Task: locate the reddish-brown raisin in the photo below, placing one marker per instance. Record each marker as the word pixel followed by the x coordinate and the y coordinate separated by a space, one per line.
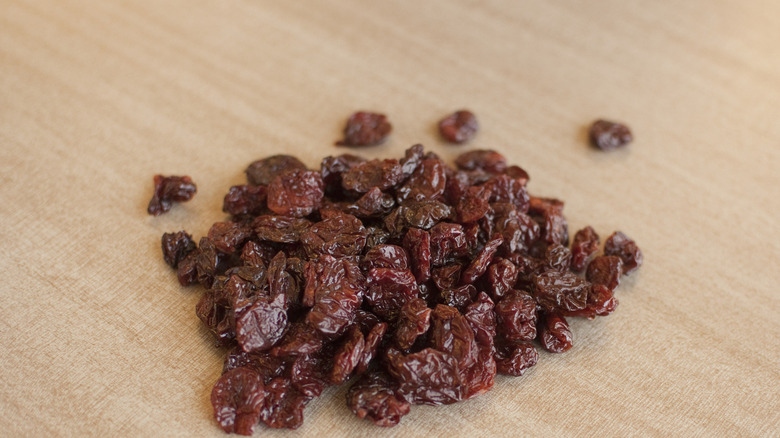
pixel 170 189
pixel 608 135
pixel 459 127
pixel 365 129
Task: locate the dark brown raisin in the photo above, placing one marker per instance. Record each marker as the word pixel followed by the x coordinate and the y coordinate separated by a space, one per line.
pixel 515 359
pixel 300 339
pixel 427 182
pixel 583 247
pixel 176 246
pixel 487 160
pixel 228 237
pixel 605 270
pixel 601 302
pixel 459 127
pixel 427 377
pixel 389 290
pixel 562 291
pixel 266 365
pixel 608 135
pixel 377 397
pixel 413 321
pixel 554 333
pixel 385 256
pixel 296 193
pixel 348 355
pixel 365 129
pixel 280 229
pixel 238 398
pixel 284 405
pixel 262 324
pixel 340 235
pixel 618 244
pixel 502 276
pixel 262 172
pixel 418 245
pixel 516 317
pixel 335 289
pixel 170 189
pixel 362 177
pixel 480 263
pixel 245 199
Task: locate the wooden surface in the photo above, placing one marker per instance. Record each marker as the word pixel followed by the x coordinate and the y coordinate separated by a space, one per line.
pixel 97 97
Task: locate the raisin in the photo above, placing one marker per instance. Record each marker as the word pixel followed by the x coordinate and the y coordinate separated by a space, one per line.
pixel 584 246
pixel 418 246
pixel 448 241
pixel 487 160
pixel 427 182
pixel 459 297
pixel 362 177
pixel 176 247
pixel 262 172
pixel 515 359
pixel 427 377
pixel 170 189
pixel 296 193
pixel 365 129
pixel 262 325
pixel 562 291
pixel 557 257
pixel 284 405
pixel 413 321
pixel 451 333
pixel 502 276
pixel 618 244
pixel 516 317
pixel 459 127
pixel 245 199
pixel 339 236
pixel 555 229
pixel 300 339
pixel 348 355
pixel 554 333
pixel 228 237
pixel 414 214
pixel 332 170
pixel 372 342
pixel 238 398
pixel 605 270
pixel 480 263
pixel 187 269
pixel 446 277
pixel 607 135
pixel 389 290
pixel 377 396
pixel 280 229
pixel 335 289
pixel 309 373
pixel 266 365
pixel 601 302
pixel 385 256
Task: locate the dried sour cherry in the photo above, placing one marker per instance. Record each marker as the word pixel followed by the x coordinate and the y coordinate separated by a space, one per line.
pixel 419 280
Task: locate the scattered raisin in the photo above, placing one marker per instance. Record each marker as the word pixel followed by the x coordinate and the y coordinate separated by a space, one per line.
pixel 262 172
pixel 176 246
pixel 170 189
pixel 365 129
pixel 608 135
pixel 618 244
pixel 459 127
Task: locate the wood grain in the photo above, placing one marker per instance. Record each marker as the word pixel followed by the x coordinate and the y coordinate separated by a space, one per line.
pixel 96 97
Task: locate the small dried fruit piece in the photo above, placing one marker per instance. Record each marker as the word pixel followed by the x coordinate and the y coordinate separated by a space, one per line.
pixel 296 193
pixel 245 199
pixel 482 159
pixel 363 177
pixel 554 333
pixel 284 405
pixel 262 172
pixel 413 321
pixel 459 127
pixel 262 324
pixel 238 398
pixel 562 291
pixel 389 290
pixel 618 244
pixel 608 135
pixel 176 246
pixel 170 189
pixel 376 396
pixel 418 245
pixel 584 245
pixel 365 129
pixel 516 317
pixel 515 359
pixel 605 270
pixel 428 377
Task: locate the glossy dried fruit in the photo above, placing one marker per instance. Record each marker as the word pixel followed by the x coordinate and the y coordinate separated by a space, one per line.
pixel 262 172
pixel 427 247
pixel 554 333
pixel 296 193
pixel 170 189
pixel 176 247
pixel 618 244
pixel 376 396
pixel 583 247
pixel 608 135
pixel 365 129
pixel 238 398
pixel 459 127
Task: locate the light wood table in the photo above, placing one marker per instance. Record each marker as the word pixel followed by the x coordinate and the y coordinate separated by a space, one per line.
pixel 97 97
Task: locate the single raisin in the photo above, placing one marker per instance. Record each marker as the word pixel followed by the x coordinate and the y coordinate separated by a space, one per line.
pixel 170 189
pixel 176 246
pixel 365 129
pixel 605 270
pixel 554 333
pixel 459 127
pixel 618 244
pixel 583 247
pixel 262 172
pixel 295 193
pixel 608 135
pixel 238 398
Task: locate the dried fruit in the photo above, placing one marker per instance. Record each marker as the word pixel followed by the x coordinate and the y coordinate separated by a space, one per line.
pixel 608 135
pixel 170 189
pixel 459 127
pixel 419 280
pixel 365 129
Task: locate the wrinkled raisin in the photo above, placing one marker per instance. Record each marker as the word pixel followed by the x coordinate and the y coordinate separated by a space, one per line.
pixel 605 270
pixel 608 135
pixel 376 396
pixel 459 127
pixel 245 199
pixel 238 398
pixel 296 193
pixel 583 247
pixel 554 333
pixel 170 189
pixel 618 244
pixel 176 246
pixel 262 172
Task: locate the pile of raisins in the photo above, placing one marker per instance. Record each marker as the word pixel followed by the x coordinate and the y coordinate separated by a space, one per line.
pixel 416 281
